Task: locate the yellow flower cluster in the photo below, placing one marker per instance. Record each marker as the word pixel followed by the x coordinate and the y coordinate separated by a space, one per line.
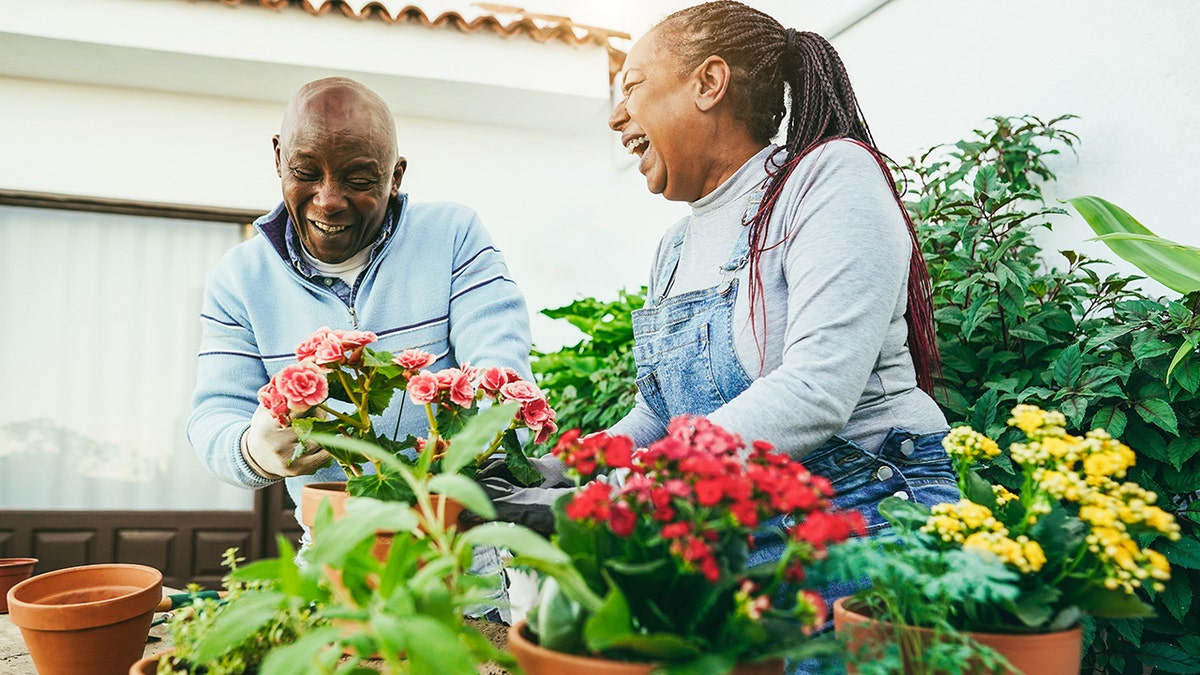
pixel 1063 468
pixel 953 523
pixel 969 445
pixel 1022 553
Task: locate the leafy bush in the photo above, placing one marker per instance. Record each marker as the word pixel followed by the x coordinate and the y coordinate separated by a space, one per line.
pixel 1016 326
pixel 590 384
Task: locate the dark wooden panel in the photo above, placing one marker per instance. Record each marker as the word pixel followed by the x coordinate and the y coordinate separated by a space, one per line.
pixel 209 546
pixel 56 549
pixel 5 537
pixel 155 548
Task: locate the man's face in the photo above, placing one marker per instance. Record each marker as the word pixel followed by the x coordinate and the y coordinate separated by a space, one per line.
pixel 339 170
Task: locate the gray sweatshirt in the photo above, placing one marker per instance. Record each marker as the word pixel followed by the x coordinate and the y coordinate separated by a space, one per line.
pixel 829 354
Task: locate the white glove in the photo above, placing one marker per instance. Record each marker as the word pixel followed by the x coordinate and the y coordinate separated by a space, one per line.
pixel 268 448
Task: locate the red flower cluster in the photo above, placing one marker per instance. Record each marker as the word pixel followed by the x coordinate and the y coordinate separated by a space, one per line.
pixel 697 488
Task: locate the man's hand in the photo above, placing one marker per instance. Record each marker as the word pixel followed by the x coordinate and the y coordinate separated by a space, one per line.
pixel 268 448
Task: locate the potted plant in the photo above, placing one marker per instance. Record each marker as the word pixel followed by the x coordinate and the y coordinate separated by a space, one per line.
pixel 357 613
pixel 657 577
pixel 1030 563
pixel 339 383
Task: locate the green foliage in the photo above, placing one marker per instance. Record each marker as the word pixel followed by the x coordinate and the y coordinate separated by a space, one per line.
pixel 403 613
pixel 1174 265
pixel 243 645
pixel 1018 325
pixel 590 384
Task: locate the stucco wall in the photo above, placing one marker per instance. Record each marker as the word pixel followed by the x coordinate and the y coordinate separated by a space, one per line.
pixel 929 71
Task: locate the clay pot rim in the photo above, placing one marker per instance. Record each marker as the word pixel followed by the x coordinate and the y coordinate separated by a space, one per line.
pixel 851 607
pixel 32 613
pixel 515 636
pixel 11 567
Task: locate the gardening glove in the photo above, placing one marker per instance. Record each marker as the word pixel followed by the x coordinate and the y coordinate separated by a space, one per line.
pixel 528 506
pixel 268 448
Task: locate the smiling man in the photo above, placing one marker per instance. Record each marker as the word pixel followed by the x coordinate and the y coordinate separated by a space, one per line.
pixel 345 249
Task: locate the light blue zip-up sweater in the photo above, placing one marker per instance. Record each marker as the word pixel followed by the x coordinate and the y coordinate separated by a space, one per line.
pixel 436 284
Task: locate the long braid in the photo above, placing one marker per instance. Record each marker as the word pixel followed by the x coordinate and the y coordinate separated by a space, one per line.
pixel 762 57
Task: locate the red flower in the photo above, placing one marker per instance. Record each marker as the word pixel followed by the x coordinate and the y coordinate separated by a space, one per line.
pixel 622 520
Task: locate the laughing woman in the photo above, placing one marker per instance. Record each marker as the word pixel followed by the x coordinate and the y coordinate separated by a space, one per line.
pixel 793 304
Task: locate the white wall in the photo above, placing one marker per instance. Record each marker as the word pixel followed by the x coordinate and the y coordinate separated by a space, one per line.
pixel 930 71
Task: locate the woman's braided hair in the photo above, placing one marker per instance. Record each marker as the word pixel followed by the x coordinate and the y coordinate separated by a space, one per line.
pixel 763 57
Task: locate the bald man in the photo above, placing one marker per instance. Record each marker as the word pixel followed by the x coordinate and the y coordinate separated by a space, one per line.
pixel 345 249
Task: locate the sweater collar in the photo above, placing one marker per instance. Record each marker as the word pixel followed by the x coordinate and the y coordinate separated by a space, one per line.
pixel 736 187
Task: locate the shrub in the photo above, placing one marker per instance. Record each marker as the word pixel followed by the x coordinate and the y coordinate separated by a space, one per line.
pixel 590 384
pixel 1017 325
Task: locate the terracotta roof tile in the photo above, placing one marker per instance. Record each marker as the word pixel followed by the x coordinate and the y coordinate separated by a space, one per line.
pixel 503 20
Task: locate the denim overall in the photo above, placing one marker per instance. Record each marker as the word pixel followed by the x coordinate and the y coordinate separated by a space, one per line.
pixel 687 364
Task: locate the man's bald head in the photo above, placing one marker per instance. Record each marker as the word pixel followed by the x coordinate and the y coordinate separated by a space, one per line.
pixel 340 101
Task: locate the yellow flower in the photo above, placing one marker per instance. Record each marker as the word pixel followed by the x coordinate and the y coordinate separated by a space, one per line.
pixel 1027 418
pixel 969 445
pixel 1003 494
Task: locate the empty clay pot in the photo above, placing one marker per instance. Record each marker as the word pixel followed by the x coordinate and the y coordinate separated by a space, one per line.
pixel 88 620
pixel 12 572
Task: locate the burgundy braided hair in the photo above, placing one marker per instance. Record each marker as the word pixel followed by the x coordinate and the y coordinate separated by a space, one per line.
pixel 763 57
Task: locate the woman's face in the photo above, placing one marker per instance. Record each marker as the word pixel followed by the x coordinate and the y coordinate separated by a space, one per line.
pixel 657 119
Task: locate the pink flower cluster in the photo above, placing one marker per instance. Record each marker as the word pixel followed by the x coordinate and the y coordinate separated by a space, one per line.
pixel 461 387
pixel 302 386
pixel 696 487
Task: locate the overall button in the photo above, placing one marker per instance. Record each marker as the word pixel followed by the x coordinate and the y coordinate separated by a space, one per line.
pixel 884 473
pixel 906 447
pixel 901 494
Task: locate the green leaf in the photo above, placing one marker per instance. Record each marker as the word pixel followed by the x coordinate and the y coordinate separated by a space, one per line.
pixel 1174 265
pixel 1181 449
pixel 521 540
pixel 241 619
pixel 477 434
pixel 610 624
pixel 1111 419
pixel 303 655
pixel 559 621
pixel 903 514
pixel 1068 366
pixel 1184 552
pixel 517 463
pixel 1165 658
pixel 1177 597
pixel 1184 349
pixel 1159 413
pixel 1112 604
pixel 434 647
pixel 465 491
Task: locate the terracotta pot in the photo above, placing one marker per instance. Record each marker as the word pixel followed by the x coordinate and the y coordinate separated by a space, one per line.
pixel 13 571
pixel 535 660
pixel 149 664
pixel 1058 653
pixel 89 620
pixel 313 494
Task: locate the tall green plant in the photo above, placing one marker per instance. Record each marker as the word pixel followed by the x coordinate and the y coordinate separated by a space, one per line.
pixel 1017 324
pixel 590 384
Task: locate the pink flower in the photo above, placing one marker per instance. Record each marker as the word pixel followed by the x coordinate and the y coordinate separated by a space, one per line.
pixel 330 352
pixel 536 413
pixel 493 379
pixel 355 338
pixel 520 390
pixel 303 385
pixel 462 390
pixel 414 359
pixel 446 377
pixel 547 430
pixel 308 348
pixel 423 388
pixel 275 403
